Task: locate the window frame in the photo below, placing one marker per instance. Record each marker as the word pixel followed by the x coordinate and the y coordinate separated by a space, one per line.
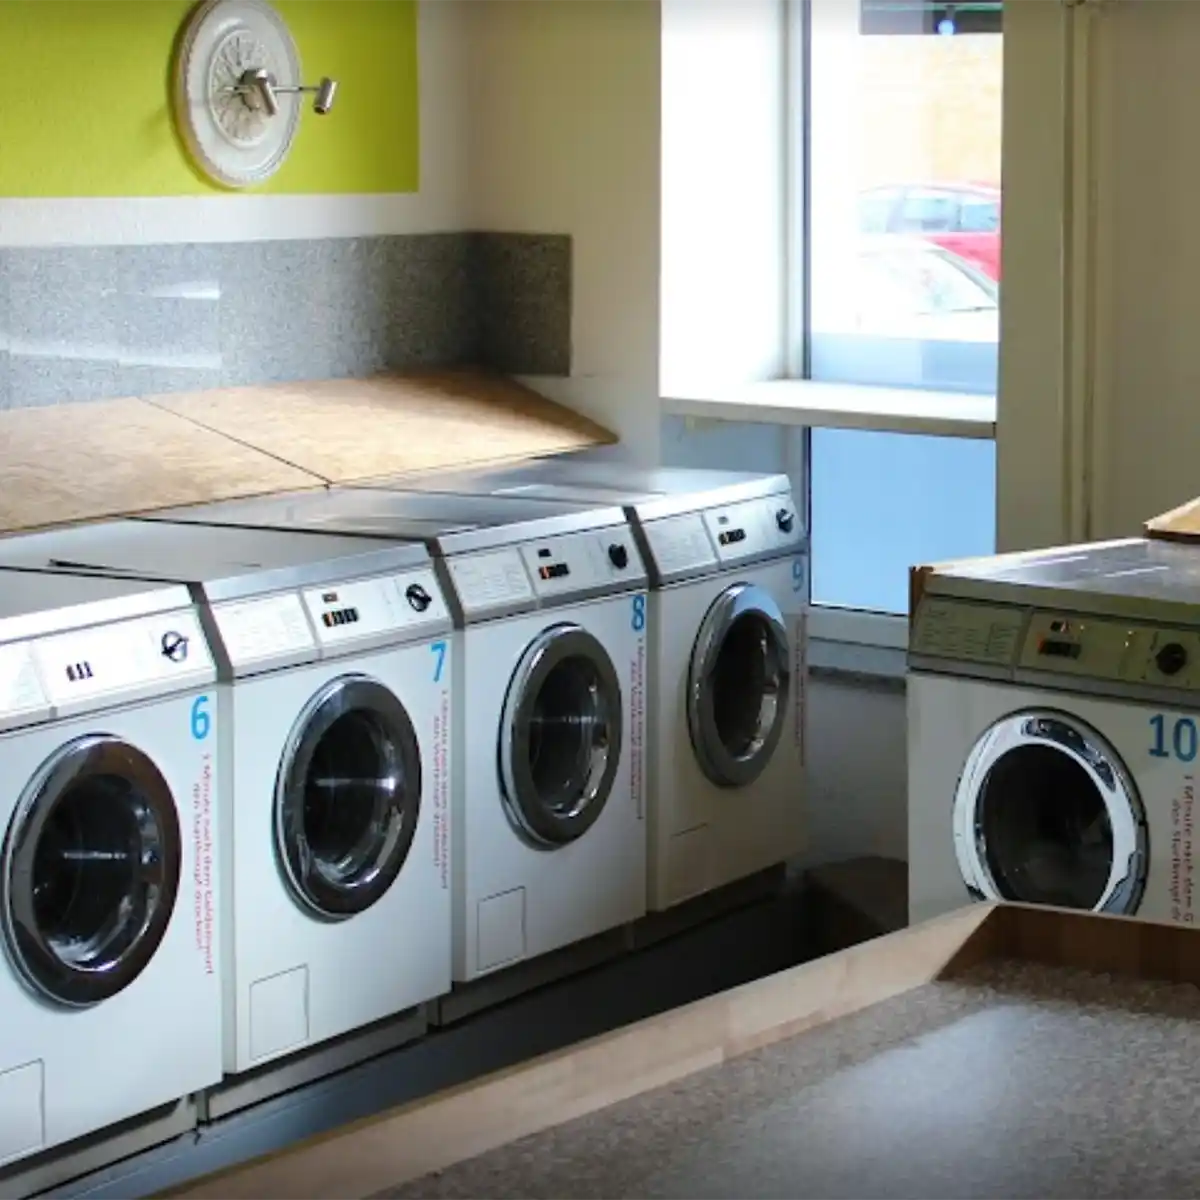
pixel 855 640
pixel 1043 441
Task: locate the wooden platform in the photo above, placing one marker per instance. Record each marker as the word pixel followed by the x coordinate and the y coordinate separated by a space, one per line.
pixel 1001 1050
pixel 78 462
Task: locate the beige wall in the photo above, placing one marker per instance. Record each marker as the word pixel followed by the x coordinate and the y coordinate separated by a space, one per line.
pixel 931 108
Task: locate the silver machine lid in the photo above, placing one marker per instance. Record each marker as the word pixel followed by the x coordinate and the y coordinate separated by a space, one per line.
pixel 226 563
pixel 1137 577
pixel 447 523
pixel 646 492
pixel 33 604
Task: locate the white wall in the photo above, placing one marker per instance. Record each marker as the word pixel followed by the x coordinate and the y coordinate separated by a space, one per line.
pixel 565 104
pixel 724 193
pixel 439 206
pixel 1146 181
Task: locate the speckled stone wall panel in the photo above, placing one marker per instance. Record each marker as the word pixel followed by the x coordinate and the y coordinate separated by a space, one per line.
pixel 63 324
pixel 5 331
pixel 1010 1081
pixel 523 283
pixel 84 323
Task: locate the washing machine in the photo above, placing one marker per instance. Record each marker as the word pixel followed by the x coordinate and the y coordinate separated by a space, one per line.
pixel 110 977
pixel 549 767
pixel 332 718
pixel 728 559
pixel 1053 708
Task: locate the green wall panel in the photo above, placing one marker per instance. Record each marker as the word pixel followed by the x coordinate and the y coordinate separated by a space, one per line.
pixel 86 110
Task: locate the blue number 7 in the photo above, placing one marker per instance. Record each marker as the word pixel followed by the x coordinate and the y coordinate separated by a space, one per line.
pixel 439 660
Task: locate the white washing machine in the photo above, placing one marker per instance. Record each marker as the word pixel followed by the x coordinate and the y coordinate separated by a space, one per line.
pixel 728 566
pixel 1053 707
pixel 548 795
pixel 110 979
pixel 334 722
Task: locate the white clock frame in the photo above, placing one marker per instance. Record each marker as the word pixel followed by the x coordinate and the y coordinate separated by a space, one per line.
pixel 226 128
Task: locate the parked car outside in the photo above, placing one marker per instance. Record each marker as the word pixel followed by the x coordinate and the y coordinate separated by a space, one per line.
pixel 908 288
pixel 963 218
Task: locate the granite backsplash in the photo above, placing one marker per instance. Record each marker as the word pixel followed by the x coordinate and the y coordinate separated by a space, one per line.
pixel 89 323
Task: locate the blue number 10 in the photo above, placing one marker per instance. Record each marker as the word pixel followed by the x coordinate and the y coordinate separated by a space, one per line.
pixel 1184 742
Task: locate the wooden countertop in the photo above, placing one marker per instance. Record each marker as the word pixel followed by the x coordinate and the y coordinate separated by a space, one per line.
pixel 1000 1050
pixel 1181 524
pixel 78 462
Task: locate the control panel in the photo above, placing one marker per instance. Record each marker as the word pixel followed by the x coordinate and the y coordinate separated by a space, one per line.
pixel 264 632
pixel 142 657
pixel 584 562
pixel 1104 649
pixel 754 528
pixel 388 607
pixel 680 545
pixel 966 632
pixel 490 582
pixel 22 696
pixel 696 542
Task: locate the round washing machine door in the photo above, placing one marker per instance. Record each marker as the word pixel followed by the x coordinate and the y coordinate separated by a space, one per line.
pixel 347 797
pixel 738 683
pixel 91 868
pixel 1046 813
pixel 560 736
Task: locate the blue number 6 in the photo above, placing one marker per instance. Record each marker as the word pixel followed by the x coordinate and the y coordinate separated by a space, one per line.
pixel 439 660
pixel 201 721
pixel 639 614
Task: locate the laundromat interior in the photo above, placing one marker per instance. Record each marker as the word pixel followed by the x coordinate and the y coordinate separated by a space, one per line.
pixel 599 598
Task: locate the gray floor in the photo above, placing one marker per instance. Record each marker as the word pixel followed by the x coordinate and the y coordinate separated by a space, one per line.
pixel 730 950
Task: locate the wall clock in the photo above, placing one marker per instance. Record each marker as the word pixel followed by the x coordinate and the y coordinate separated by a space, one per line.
pixel 236 90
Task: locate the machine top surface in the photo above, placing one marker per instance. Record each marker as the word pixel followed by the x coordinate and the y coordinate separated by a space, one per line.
pixel 447 523
pixel 647 491
pixel 227 563
pixel 1138 570
pixel 33 604
pixel 1122 617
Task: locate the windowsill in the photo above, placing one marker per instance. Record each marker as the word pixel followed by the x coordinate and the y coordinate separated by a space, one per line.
pixel 850 643
pixel 841 406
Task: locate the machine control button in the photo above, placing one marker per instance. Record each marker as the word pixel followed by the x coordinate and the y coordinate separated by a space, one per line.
pixel 418 597
pixel 785 519
pixel 174 646
pixel 1172 658
pixel 618 556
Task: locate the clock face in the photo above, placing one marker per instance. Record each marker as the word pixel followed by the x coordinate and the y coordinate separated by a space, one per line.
pixel 227 130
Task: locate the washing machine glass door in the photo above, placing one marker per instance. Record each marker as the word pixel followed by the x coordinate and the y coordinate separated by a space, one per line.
pixel 738 685
pixel 560 736
pixel 91 866
pixel 347 797
pixel 1046 813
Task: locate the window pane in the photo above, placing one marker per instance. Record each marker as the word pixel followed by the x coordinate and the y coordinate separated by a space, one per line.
pixel 907 294
pixel 882 502
pixel 905 102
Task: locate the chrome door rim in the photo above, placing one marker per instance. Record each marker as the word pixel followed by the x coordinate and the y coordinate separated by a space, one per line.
pixel 159 854
pixel 740 601
pixel 1098 759
pixel 525 807
pixel 308 882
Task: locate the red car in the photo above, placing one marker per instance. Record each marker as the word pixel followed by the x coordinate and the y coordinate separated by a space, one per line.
pixel 963 218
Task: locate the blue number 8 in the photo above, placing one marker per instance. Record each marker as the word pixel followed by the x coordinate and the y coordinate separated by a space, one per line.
pixel 639 614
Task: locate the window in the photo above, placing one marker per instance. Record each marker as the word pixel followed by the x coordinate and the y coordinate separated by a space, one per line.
pixel 901 273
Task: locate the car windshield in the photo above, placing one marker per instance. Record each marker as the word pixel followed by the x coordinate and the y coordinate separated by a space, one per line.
pixel 929 282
